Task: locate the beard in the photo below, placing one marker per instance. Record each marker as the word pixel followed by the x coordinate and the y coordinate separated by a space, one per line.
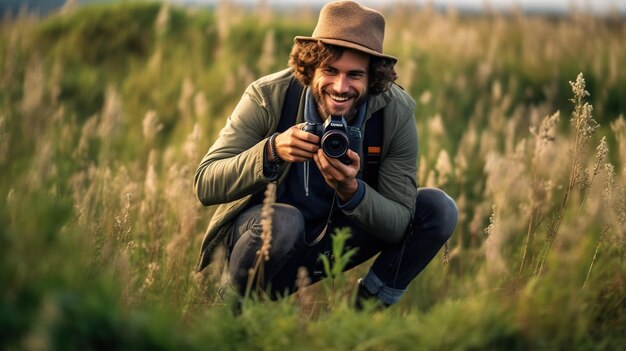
pixel 320 97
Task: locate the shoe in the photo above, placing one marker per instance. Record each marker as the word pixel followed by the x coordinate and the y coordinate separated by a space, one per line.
pixel 365 299
pixel 227 296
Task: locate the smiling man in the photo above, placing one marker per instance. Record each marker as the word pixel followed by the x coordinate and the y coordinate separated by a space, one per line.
pixel 339 139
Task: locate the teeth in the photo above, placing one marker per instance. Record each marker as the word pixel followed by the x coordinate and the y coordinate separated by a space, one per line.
pixel 338 98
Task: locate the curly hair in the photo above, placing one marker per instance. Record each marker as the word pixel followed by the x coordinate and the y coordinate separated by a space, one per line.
pixel 307 56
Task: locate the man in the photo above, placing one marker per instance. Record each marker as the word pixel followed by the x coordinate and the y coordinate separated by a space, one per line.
pixel 344 74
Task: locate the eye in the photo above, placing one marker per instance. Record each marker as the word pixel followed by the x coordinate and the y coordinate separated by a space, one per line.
pixel 357 75
pixel 329 71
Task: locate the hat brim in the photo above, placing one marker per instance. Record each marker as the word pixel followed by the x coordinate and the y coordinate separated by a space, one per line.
pixel 347 44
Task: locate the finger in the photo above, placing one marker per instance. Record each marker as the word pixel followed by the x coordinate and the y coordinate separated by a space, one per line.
pixel 332 182
pixel 327 167
pixel 355 158
pixel 344 172
pixel 304 135
pixel 297 155
pixel 300 139
pixel 290 148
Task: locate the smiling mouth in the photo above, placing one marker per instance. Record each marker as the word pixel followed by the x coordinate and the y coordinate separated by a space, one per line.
pixel 339 98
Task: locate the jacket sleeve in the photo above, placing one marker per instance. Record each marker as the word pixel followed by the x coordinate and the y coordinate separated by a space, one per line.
pixel 233 166
pixel 386 213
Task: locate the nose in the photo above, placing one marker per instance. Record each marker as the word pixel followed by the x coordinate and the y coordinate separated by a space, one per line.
pixel 341 85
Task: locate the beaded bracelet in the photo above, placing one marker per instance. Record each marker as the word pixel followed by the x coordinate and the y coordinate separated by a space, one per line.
pixel 276 158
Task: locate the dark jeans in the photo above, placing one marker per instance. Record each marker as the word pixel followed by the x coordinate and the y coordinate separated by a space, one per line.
pixel 396 266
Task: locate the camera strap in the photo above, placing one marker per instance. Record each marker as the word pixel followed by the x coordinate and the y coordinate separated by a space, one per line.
pixel 290 106
pixel 329 220
pixel 372 144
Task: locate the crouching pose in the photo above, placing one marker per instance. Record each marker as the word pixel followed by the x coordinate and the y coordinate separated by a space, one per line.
pixel 339 139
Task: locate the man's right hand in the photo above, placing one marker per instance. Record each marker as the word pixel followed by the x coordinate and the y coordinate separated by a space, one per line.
pixel 295 145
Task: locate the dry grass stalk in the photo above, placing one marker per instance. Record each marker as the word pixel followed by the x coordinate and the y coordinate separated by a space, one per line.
pixel 5 139
pixel 602 152
pixel 34 90
pixel 605 229
pixel 122 225
pixel 151 126
pixel 162 21
pixel 544 138
pixel 268 55
pixel 615 214
pixel 619 129
pixel 256 273
pixel 303 294
pixel 493 245
pixel 185 100
pixel 584 128
pixel 443 168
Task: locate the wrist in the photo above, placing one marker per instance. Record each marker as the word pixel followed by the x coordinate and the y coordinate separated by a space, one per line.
pixel 272 153
pixel 345 192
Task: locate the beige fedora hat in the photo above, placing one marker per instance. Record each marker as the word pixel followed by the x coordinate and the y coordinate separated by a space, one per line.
pixel 350 25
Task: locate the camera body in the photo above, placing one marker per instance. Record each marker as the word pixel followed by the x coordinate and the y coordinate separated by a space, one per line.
pixel 336 137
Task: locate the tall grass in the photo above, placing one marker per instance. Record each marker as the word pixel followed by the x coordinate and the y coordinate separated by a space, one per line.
pixel 105 112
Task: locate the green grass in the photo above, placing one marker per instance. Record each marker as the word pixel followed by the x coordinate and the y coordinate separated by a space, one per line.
pixel 100 229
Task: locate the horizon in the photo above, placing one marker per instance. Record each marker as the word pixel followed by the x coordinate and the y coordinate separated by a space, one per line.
pixel 549 6
pixel 597 7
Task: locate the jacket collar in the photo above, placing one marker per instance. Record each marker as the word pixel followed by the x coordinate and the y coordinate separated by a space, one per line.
pixel 377 102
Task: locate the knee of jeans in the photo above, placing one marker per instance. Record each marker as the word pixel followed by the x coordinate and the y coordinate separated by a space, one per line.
pixel 287 228
pixel 444 213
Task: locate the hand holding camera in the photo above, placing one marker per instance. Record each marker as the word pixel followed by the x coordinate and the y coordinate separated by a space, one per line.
pixel 300 142
pixel 294 145
pixel 338 160
pixel 336 137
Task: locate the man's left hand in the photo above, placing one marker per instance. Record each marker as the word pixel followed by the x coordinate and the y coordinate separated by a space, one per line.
pixel 339 175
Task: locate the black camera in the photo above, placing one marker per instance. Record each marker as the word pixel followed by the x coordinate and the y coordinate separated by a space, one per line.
pixel 336 137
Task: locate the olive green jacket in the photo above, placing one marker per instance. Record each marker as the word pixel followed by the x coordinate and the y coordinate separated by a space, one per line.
pixel 232 170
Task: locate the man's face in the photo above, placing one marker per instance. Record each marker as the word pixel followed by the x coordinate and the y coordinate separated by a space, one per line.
pixel 341 86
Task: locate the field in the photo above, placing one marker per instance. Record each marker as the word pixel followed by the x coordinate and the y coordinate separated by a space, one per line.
pixel 105 112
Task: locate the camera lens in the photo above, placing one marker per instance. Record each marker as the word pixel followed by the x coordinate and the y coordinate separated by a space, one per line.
pixel 335 143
